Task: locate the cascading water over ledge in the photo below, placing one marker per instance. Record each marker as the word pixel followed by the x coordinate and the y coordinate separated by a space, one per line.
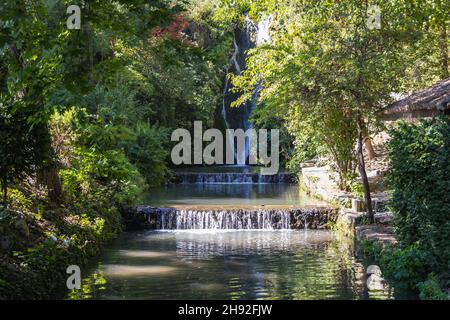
pixel 144 217
pixel 231 177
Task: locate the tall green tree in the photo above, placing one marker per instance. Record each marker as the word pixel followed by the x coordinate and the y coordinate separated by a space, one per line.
pixel 42 62
pixel 332 60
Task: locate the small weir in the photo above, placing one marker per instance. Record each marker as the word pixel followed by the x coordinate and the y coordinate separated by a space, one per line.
pixel 231 177
pixel 230 219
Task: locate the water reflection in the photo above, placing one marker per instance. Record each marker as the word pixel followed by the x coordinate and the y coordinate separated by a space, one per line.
pixel 225 265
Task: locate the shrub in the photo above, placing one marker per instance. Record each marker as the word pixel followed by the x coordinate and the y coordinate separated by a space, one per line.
pixel 420 182
pixel 405 266
pixel 101 176
pixel 430 289
pixel 147 152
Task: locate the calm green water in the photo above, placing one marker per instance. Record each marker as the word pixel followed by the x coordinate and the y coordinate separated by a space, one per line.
pixel 229 194
pixel 301 264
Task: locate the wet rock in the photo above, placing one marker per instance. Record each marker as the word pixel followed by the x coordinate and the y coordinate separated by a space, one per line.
pixel 373 269
pixel 375 282
pixel 139 218
pixel 231 177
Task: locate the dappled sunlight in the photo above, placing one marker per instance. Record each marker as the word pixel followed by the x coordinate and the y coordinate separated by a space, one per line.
pixel 143 254
pixel 133 271
pixel 208 286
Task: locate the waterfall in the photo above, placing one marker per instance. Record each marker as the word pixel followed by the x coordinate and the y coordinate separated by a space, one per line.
pixel 246 38
pixel 233 58
pixel 225 220
pixel 231 219
pixel 231 177
pixel 263 35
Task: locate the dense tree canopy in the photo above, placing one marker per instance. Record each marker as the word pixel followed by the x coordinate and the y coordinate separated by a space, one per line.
pixel 331 72
pixel 128 71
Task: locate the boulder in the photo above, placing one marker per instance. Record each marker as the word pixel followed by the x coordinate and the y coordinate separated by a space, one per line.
pixel 375 282
pixel 373 269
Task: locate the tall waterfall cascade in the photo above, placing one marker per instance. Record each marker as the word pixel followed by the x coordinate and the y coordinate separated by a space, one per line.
pixel 248 37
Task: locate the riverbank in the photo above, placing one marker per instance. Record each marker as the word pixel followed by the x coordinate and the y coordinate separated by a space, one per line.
pixel 377 244
pixel 39 242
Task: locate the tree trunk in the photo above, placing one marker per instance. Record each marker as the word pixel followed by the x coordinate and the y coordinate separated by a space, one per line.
pixel 369 148
pixel 362 169
pixel 49 177
pixel 4 191
pixel 444 51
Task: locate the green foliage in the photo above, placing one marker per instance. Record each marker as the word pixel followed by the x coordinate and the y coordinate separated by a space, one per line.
pixel 405 266
pixel 324 67
pixel 148 153
pixel 420 184
pixel 114 125
pixel 418 177
pixel 185 85
pixel 263 118
pixel 356 188
pixel 371 250
pixel 40 58
pixel 95 106
pixel 19 200
pixel 428 52
pixel 100 175
pixel 430 289
pixel 24 147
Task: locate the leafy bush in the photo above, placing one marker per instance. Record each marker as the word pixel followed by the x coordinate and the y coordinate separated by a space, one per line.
pixel 148 153
pixel 114 120
pixel 24 145
pixel 420 182
pixel 405 266
pixel 430 290
pixel 101 175
pixel 370 249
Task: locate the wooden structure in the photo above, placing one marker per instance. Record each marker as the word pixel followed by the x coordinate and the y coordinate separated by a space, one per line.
pixel 426 103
